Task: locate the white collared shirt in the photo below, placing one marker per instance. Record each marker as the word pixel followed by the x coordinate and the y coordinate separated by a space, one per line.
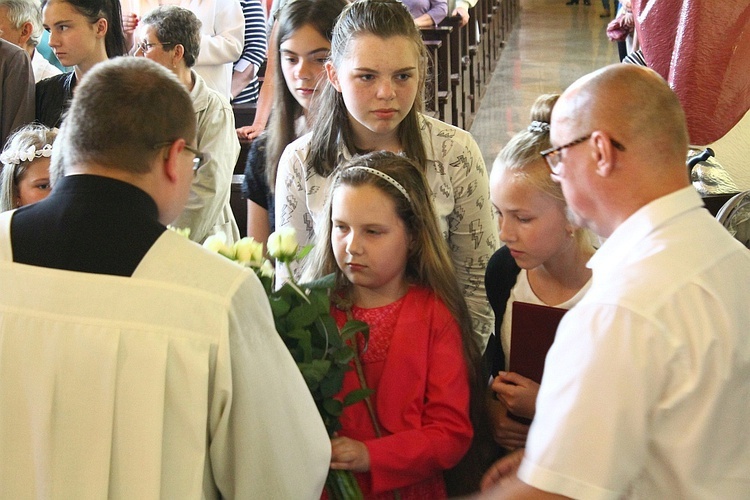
pixel 646 389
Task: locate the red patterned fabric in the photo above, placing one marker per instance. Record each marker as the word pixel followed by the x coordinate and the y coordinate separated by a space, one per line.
pixel 702 48
pixel 415 364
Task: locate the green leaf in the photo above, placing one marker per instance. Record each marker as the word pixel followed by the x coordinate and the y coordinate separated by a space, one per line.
pixel 302 337
pixel 321 301
pixel 279 307
pixel 315 370
pixel 352 327
pixel 332 383
pixel 343 355
pixel 303 253
pixel 303 315
pixel 326 333
pixel 325 283
pixel 356 396
pixel 333 407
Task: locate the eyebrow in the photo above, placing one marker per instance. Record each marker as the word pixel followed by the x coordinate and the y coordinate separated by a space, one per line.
pixel 401 70
pixel 314 51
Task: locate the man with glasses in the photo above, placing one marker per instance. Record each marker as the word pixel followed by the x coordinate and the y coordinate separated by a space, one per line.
pixel 134 363
pixel 645 389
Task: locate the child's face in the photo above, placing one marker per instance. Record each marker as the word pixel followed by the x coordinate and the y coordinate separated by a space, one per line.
pixel 303 57
pixel 532 223
pixel 378 80
pixel 71 36
pixel 34 185
pixel 370 243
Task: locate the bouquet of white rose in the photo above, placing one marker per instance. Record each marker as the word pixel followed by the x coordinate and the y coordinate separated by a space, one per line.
pixel 302 316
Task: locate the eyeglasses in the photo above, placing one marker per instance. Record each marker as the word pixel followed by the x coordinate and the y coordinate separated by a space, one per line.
pixel 200 159
pixel 553 156
pixel 146 46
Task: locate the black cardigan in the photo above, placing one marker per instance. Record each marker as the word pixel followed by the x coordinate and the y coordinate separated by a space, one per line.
pixel 499 279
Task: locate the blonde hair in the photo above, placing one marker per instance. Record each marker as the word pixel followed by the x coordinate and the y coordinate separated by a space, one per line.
pixel 34 135
pixel 521 157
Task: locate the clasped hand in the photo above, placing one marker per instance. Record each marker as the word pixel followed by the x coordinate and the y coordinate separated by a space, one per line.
pixel 517 392
pixel 349 454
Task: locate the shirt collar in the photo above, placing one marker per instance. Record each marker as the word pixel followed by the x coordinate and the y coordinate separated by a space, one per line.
pixel 642 223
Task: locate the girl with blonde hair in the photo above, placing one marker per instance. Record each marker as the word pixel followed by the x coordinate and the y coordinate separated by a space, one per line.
pixel 543 261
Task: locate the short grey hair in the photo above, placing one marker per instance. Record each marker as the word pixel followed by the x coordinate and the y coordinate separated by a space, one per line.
pixel 176 25
pixel 23 11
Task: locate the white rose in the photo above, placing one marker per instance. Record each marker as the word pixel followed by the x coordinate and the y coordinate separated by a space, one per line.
pixel 218 243
pixel 267 269
pixel 282 244
pixel 248 251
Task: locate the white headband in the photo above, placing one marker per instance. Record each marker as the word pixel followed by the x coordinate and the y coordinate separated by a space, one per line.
pixel 386 177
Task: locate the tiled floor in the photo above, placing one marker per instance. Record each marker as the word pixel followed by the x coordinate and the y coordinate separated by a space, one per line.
pixel 550 46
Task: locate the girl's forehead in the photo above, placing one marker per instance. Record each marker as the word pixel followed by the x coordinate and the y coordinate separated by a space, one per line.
pixel 368 44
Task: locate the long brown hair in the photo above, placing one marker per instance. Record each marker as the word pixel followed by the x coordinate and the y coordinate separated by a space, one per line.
pixel 331 130
pixel 321 15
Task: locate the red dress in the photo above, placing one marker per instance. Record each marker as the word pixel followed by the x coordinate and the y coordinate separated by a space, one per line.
pixel 414 362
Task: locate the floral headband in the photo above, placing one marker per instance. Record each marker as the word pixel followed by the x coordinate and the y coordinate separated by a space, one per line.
pixel 28 154
pixel 537 126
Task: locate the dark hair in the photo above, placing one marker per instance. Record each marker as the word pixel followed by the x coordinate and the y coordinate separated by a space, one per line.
pixel 110 10
pixel 176 25
pixel 384 19
pixel 321 15
pixel 151 107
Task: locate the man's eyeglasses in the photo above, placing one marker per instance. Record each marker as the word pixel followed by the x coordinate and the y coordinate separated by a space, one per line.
pixel 146 46
pixel 553 156
pixel 200 159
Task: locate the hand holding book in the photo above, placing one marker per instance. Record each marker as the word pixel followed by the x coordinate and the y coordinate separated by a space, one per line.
pixel 517 392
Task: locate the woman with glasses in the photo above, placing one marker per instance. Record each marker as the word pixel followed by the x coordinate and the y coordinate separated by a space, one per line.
pixel 82 33
pixel 543 261
pixel 170 36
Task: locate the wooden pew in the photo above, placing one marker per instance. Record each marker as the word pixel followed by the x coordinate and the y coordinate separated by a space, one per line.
pixel 459 70
pixel 475 83
pixel 442 69
pixel 431 86
pixel 239 203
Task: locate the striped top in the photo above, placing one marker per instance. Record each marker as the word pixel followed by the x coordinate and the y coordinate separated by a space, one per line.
pixel 254 51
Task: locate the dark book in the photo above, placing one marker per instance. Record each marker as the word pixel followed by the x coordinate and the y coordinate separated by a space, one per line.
pixel 532 332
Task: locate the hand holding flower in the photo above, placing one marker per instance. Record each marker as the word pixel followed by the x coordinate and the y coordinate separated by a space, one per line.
pixel 349 454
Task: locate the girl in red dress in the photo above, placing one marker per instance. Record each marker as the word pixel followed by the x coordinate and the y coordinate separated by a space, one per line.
pixel 393 271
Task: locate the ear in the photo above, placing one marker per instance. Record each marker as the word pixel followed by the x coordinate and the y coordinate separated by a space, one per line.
pixel 101 27
pixel 170 164
pixel 332 76
pixel 604 153
pixel 26 31
pixel 179 53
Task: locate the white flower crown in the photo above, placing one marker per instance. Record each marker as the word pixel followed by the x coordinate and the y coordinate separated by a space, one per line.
pixel 28 154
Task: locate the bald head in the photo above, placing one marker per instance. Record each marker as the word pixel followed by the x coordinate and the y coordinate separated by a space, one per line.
pixel 631 144
pixel 632 104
